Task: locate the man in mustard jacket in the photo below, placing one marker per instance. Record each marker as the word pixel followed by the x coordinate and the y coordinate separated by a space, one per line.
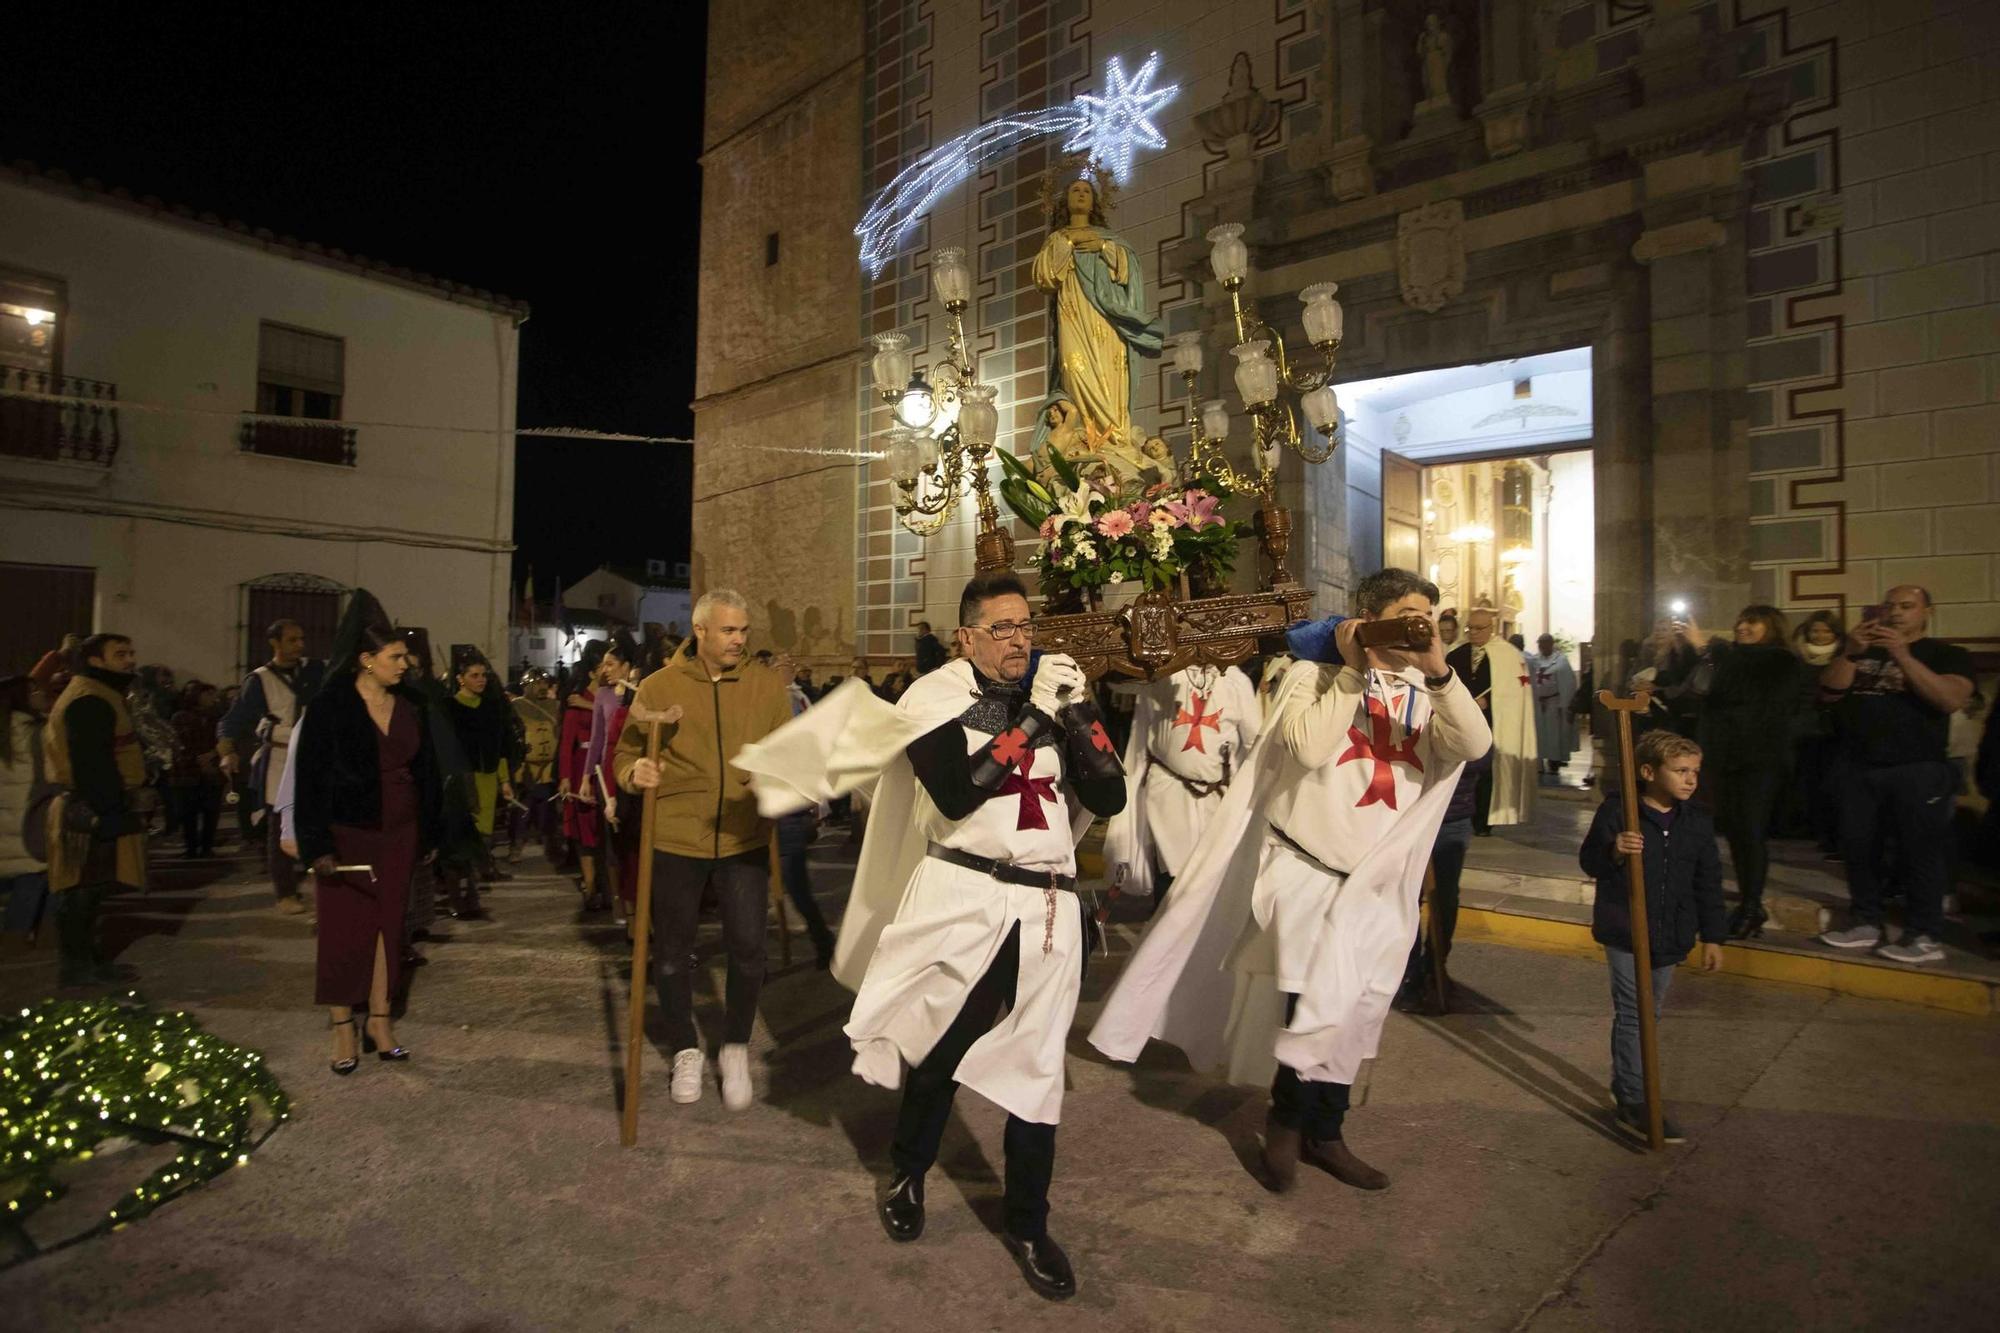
pixel 713 701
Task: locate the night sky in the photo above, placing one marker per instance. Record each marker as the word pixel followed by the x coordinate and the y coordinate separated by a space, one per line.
pixel 508 148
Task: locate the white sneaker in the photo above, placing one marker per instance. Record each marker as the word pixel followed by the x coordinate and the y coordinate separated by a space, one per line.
pixel 688 1070
pixel 735 1063
pixel 1913 949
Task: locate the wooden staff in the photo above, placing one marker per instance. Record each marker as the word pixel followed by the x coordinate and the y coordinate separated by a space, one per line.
pixel 642 924
pixel 1642 955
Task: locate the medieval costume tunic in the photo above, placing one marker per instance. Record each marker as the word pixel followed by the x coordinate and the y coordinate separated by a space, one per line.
pixel 1553 684
pixel 1498 677
pixel 268 707
pixel 92 754
pixel 364 797
pixel 1287 934
pixel 935 944
pixel 1190 732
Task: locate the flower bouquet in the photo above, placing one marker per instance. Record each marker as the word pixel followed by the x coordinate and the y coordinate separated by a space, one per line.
pixel 1093 537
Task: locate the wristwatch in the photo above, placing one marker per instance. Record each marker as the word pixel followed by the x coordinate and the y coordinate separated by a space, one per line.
pixel 1438 682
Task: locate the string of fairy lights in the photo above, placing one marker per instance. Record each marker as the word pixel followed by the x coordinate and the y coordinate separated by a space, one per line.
pixel 75 1074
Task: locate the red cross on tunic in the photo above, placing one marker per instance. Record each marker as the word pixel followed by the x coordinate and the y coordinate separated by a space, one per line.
pixel 1032 791
pixel 1375 747
pixel 1195 721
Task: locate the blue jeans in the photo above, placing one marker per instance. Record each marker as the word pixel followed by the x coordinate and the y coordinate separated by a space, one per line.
pixel 1628 1077
pixel 25 896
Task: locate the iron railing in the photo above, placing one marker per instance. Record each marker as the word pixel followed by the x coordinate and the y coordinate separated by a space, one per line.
pixel 307 442
pixel 75 422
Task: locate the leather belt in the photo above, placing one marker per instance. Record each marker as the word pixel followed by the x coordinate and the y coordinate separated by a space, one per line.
pixel 1293 843
pixel 1195 785
pixel 1004 871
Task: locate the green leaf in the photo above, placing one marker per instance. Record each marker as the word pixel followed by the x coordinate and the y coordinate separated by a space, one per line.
pixel 1064 470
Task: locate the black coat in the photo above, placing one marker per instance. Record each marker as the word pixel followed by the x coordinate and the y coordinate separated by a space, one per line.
pixel 485 732
pixel 1683 881
pixel 1746 718
pixel 339 775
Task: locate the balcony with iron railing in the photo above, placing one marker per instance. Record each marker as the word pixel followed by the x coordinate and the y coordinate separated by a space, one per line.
pixel 303 441
pixel 57 418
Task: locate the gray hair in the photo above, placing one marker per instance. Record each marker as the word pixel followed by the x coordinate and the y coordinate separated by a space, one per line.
pixel 718 597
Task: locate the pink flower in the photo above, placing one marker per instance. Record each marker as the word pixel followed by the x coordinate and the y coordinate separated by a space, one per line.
pixel 1141 512
pixel 1115 524
pixel 1048 528
pixel 1196 510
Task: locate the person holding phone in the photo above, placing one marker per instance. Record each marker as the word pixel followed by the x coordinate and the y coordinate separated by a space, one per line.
pixel 1895 690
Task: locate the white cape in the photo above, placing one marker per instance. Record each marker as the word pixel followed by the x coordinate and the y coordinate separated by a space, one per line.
pixel 849 741
pixel 1203 977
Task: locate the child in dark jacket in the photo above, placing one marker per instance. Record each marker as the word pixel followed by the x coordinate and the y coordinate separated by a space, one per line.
pixel 1676 843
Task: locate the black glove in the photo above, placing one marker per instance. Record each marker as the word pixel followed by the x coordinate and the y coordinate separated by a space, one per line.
pixel 1088 754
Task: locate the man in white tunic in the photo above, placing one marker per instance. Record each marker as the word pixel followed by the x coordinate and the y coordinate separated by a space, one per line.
pixel 1288 935
pixel 964 898
pixel 1497 675
pixel 1190 732
pixel 1554 686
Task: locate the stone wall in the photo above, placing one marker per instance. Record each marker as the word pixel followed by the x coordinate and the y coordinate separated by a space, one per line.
pixel 777 357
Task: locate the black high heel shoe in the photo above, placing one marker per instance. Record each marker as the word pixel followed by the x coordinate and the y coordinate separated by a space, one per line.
pixel 368 1044
pixel 347 1066
pixel 1747 921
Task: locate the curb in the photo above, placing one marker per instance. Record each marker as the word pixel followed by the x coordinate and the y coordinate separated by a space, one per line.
pixel 1954 991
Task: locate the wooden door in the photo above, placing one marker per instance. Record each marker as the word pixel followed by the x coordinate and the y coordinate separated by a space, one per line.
pixel 44 602
pixel 1402 512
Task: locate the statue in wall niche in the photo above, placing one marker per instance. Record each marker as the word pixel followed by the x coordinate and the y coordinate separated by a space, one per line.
pixel 1434 51
pixel 1098 325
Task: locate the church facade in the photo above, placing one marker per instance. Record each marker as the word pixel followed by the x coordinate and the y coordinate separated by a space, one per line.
pixel 1768 221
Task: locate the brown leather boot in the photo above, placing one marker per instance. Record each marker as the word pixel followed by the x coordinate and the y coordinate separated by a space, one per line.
pixel 1333 1157
pixel 1280 1155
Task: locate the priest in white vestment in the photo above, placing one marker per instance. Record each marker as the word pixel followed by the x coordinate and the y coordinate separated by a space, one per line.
pixel 1497 675
pixel 1553 683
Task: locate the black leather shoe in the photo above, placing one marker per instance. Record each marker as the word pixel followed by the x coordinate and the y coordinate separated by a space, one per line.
pixel 902 1209
pixel 1044 1264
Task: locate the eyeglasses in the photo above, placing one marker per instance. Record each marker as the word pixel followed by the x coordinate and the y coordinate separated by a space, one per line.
pixel 1007 629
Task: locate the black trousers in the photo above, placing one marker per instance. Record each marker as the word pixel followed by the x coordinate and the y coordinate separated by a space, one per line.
pixel 742 891
pixel 1746 801
pixel 198 808
pixel 930 1087
pixel 795 837
pixel 76 912
pixel 1914 802
pixel 284 870
pixel 1316 1110
pixel 1454 840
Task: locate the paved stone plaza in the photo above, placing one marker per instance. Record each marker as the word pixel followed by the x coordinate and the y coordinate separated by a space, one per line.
pixel 1844 1168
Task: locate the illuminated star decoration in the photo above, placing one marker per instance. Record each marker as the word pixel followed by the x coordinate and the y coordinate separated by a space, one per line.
pixel 1110 127
pixel 1114 124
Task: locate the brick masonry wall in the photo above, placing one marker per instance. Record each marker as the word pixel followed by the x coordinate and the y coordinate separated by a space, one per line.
pixel 1875 308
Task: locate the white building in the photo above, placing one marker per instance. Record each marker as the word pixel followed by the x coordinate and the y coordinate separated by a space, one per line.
pixel 148 501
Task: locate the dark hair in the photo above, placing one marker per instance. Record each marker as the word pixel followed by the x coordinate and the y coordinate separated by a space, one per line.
pixel 924 625
pixel 1770 617
pixel 624 647
pixel 1826 618
pixel 983 588
pixel 1451 614
pixel 377 636
pixel 1387 586
pixel 95 645
pixel 278 628
pixel 1059 203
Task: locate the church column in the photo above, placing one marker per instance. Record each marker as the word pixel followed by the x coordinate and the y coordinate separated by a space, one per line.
pixel 1357 36
pixel 1508 99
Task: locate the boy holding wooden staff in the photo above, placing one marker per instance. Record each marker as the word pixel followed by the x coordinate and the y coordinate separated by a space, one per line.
pixel 1683 879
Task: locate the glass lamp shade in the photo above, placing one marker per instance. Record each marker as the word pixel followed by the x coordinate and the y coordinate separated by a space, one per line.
pixel 950 277
pixel 904 459
pixel 978 418
pixel 1323 316
pixel 1184 354
pixel 1256 373
pixel 1214 420
pixel 1227 255
pixel 1322 407
pixel 892 361
pixel 916 407
pixel 927 450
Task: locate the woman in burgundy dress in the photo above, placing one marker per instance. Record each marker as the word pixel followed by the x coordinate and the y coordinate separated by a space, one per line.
pixel 582 821
pixel 368 795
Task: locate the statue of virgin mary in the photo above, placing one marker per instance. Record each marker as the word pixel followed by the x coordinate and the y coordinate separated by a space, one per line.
pixel 1100 325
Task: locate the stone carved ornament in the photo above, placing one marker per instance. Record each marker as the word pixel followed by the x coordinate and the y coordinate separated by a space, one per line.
pixel 1430 254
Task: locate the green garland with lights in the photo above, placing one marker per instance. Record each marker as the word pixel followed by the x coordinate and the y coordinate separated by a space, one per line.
pixel 74 1073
